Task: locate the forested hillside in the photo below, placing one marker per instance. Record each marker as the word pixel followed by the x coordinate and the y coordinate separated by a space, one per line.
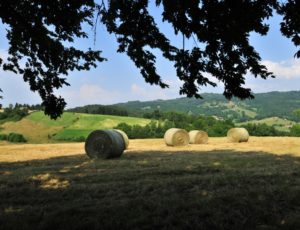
pixel 272 104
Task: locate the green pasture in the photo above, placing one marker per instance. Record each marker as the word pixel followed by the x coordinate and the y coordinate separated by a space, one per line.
pixel 69 127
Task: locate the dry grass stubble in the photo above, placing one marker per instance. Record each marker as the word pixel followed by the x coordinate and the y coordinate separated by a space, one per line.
pixel 218 185
pixel 272 145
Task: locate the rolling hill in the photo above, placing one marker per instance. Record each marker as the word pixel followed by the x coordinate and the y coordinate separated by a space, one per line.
pixel 274 109
pixel 265 105
pixel 38 128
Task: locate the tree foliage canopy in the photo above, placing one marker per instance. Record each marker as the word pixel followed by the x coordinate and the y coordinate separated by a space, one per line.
pixel 40 33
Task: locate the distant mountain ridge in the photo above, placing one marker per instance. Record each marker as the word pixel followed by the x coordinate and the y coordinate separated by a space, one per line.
pixel 271 104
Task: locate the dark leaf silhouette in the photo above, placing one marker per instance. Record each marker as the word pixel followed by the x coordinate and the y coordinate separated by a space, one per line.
pixel 40 34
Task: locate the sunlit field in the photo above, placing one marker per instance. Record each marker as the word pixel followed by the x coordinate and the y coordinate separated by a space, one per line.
pixel 39 128
pixel 219 185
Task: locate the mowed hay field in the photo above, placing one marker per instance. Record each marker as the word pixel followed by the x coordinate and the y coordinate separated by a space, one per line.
pixel 219 185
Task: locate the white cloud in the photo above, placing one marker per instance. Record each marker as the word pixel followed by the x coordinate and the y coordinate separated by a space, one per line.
pixel 284 69
pixel 149 93
pixel 14 88
pixel 90 94
pixel 3 54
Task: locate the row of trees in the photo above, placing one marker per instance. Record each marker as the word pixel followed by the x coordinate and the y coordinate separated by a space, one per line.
pixel 29 107
pixel 100 109
pixel 163 121
pixel 264 130
pixel 214 126
pixel 13 113
pixel 13 137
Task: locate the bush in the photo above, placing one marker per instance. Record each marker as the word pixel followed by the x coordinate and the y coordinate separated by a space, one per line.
pixel 13 113
pixel 295 130
pixel 3 137
pixel 13 137
pixel 264 130
pixel 16 138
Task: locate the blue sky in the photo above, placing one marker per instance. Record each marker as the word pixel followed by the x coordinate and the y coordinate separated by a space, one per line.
pixel 118 80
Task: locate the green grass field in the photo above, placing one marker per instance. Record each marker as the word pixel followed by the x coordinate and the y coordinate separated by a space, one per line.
pixel 38 128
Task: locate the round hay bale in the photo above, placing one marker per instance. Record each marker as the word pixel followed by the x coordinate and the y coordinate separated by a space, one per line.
pixel 176 137
pixel 238 135
pixel 104 144
pixel 198 137
pixel 125 137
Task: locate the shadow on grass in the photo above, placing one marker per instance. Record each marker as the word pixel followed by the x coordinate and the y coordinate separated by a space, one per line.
pixel 153 190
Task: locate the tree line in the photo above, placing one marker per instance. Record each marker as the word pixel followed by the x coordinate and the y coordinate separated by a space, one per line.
pixel 214 126
pixel 100 109
pixel 161 122
pixel 13 113
pixel 13 137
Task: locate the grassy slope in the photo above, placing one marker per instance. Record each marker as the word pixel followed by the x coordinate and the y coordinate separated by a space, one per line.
pixel 37 127
pixel 215 186
pixel 88 122
pixel 248 112
pixel 278 123
pixel 34 132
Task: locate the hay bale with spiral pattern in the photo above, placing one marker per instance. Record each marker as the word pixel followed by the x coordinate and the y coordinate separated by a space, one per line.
pixel 104 144
pixel 176 137
pixel 238 135
pixel 198 137
pixel 125 137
